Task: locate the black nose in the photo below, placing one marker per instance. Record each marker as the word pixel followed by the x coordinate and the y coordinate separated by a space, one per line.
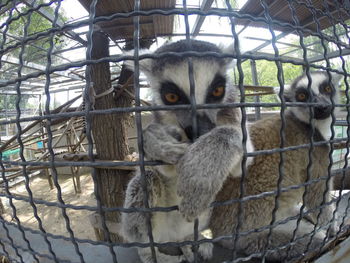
pixel 189 133
pixel 322 112
pixel 204 125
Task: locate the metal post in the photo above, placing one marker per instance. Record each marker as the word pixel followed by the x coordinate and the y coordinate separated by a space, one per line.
pixel 255 83
pixel 44 144
pixel 6 107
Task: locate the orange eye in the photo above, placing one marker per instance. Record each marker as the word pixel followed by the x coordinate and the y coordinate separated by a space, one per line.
pixel 218 91
pixel 301 96
pixel 172 97
pixel 328 89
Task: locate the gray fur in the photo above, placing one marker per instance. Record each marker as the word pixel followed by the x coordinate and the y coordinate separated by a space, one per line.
pixel 184 46
pixel 163 143
pixel 263 176
pixel 167 140
pixel 205 166
pixel 135 225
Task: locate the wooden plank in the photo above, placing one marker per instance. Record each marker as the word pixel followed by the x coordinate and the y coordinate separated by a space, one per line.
pixel 61 108
pixel 205 6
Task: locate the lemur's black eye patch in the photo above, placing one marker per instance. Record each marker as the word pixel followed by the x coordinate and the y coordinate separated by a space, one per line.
pixel 171 94
pixel 302 95
pixel 326 87
pixel 216 90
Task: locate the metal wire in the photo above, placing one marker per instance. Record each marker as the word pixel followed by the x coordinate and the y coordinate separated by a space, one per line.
pixel 149 13
pixel 318 26
pixel 347 142
pixel 282 129
pixel 186 13
pixel 88 119
pixel 236 233
pixel 50 138
pixel 20 142
pixel 193 112
pixel 311 138
pixel 139 128
pixel 164 108
pixel 332 19
pixel 176 11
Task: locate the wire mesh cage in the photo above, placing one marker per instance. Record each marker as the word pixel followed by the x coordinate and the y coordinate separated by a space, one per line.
pixel 82 100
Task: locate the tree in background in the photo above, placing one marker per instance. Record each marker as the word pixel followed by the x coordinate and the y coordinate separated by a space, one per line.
pixel 267 73
pixel 9 102
pixel 267 76
pixel 35 51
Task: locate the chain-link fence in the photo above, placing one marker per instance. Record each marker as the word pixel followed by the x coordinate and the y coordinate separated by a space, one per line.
pixel 96 126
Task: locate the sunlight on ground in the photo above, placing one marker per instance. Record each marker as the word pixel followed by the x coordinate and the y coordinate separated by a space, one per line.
pixel 51 217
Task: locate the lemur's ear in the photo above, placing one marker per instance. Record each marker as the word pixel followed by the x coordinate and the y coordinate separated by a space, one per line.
pixel 229 50
pixel 286 92
pixel 336 78
pixel 145 64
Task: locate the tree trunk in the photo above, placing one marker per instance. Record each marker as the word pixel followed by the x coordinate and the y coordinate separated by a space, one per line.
pixel 109 132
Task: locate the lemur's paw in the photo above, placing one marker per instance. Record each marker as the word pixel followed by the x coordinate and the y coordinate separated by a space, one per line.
pixel 188 254
pixel 334 229
pixel 206 250
pixel 191 206
pixel 171 153
pixel 188 210
pixel 174 132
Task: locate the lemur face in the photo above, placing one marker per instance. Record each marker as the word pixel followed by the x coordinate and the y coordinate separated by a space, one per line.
pixel 173 88
pixel 169 79
pixel 322 91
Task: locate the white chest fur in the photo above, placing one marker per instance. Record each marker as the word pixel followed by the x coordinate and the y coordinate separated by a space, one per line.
pixel 172 226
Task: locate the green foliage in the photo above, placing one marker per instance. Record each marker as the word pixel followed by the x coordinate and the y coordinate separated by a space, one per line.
pixel 267 76
pixel 267 73
pixel 9 102
pixel 35 51
pixel 234 3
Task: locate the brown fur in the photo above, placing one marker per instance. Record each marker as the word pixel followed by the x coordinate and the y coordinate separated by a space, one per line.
pixel 262 176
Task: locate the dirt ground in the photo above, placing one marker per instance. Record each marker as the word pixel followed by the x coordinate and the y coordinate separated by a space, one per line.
pixel 51 217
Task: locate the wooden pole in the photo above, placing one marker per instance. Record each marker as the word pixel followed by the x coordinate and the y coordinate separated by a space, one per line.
pixel 110 130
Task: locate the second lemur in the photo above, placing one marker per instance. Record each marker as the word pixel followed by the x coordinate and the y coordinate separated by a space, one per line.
pixel 262 176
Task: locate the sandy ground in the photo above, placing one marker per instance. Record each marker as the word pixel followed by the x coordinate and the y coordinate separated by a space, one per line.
pixel 51 217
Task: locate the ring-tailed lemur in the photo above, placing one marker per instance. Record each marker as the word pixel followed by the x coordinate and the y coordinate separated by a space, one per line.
pixel 215 153
pixel 263 175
